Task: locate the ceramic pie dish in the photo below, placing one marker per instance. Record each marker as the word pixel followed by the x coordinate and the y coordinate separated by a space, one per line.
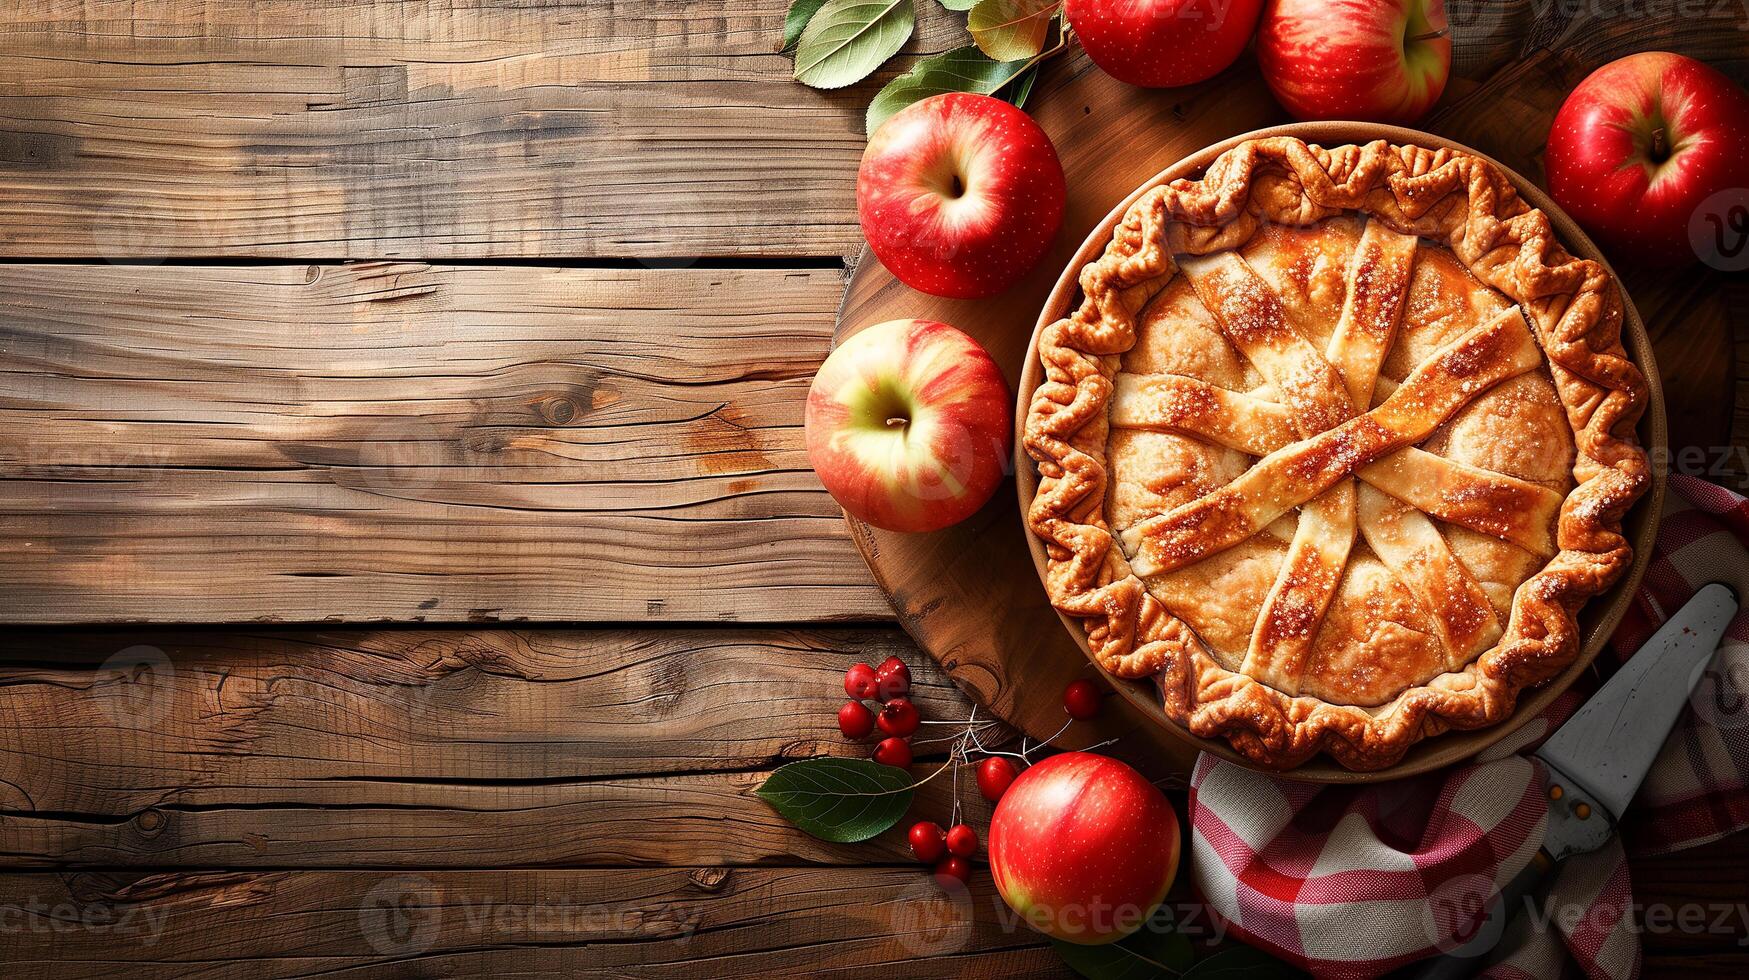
pixel 1332 449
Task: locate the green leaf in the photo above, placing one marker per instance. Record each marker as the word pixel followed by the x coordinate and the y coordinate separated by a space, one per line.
pixel 1021 90
pixel 800 12
pixel 839 800
pixel 1012 30
pixel 960 70
pixel 1158 949
pixel 960 5
pixel 845 40
pixel 1242 963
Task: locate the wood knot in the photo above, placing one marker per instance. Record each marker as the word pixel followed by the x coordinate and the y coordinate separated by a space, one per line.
pixel 151 822
pixel 709 879
pixel 805 748
pixel 558 410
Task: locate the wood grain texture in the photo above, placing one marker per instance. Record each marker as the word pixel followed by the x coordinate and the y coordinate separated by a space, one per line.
pixel 423 748
pixel 669 922
pixel 398 441
pixel 406 757
pixel 365 129
pixel 682 922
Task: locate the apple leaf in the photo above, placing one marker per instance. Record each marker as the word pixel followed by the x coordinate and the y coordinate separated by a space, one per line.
pixel 960 5
pixel 1156 950
pixel 1242 963
pixel 1021 90
pixel 800 12
pixel 961 70
pixel 846 40
pixel 839 800
pixel 1012 30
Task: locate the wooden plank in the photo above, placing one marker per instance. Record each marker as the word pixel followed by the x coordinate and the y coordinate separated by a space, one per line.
pixel 425 748
pixel 411 442
pixel 1692 908
pixel 366 129
pixel 671 922
pixel 658 922
pixel 413 752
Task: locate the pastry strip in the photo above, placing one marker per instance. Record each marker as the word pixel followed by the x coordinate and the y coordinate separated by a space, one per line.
pixel 1378 286
pixel 1224 417
pixel 1288 622
pixel 1495 504
pixel 1408 543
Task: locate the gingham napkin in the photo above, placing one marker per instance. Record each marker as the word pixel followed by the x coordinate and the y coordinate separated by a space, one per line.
pixel 1356 881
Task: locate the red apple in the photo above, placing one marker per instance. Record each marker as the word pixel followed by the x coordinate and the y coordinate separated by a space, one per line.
pixel 1083 848
pixel 1379 60
pixel 1641 145
pixel 960 195
pixel 907 425
pixel 1163 43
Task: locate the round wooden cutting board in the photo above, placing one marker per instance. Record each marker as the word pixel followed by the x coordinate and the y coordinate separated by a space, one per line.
pixel 970 595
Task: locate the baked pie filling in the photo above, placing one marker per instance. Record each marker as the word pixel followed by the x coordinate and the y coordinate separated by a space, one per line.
pixel 1335 447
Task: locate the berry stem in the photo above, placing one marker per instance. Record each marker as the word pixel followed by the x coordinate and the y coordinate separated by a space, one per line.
pixel 986 726
pixel 967 739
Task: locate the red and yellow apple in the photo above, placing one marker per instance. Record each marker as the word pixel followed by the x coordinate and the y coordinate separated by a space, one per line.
pixel 1163 43
pixel 960 195
pixel 908 427
pixel 1378 60
pixel 1641 145
pixel 1083 847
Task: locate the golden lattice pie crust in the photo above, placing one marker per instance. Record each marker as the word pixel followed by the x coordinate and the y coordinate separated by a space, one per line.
pixel 1335 447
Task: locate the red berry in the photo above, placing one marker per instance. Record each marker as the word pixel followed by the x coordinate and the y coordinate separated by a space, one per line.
pixel 962 840
pixel 855 720
pixel 994 776
pixel 898 717
pixel 927 842
pixel 894 752
pixel 1081 700
pixel 860 682
pixel 892 679
pixel 954 868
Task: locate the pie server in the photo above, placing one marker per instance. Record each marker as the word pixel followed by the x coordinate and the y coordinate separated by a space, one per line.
pixel 1598 758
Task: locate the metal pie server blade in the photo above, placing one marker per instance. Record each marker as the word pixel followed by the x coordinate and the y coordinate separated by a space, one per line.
pixel 1608 746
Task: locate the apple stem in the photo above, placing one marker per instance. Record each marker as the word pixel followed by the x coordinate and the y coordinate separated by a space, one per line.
pixel 1430 35
pixel 897 423
pixel 1660 150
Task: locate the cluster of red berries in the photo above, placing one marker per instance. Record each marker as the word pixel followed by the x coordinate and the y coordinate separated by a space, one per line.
pixel 889 684
pixel 946 850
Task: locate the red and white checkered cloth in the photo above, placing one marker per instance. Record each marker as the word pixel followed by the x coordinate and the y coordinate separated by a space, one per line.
pixel 1356 881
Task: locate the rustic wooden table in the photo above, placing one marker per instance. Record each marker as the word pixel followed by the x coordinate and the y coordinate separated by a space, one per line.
pixel 405 523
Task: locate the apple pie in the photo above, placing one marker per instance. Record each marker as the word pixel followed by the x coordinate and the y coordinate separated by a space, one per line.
pixel 1334 448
